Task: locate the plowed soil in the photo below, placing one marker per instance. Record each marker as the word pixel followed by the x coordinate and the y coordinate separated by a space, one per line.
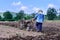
pixel 51 31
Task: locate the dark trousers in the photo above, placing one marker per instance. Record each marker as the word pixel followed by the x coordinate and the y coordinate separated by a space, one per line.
pixel 38 26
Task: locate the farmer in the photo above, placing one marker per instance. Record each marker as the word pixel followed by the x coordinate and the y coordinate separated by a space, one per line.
pixel 39 17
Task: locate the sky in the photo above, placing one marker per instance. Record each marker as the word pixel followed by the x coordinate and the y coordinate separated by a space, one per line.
pixel 29 6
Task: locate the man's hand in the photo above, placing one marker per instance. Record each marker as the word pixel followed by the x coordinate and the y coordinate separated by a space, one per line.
pixel 33 20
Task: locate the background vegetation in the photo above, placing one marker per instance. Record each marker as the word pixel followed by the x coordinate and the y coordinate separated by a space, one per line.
pixel 8 16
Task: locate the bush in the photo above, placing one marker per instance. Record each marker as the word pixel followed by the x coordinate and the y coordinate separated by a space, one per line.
pixel 51 13
pixel 27 17
pixel 7 15
pixel 9 20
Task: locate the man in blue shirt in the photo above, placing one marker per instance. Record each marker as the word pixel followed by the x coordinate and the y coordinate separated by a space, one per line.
pixel 39 17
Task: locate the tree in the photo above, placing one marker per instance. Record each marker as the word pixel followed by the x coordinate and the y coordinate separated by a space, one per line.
pixel 0 18
pixel 33 15
pixel 51 13
pixel 20 15
pixel 27 17
pixel 7 15
pixel 59 17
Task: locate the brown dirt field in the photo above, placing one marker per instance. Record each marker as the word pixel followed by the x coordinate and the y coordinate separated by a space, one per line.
pixel 10 32
pixel 51 26
pixel 51 31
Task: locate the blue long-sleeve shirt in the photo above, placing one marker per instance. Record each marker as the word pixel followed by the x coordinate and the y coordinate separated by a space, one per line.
pixel 39 18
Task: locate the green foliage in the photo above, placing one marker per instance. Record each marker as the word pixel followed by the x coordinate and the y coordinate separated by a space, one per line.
pixel 2 20
pixel 7 15
pixel 45 17
pixel 51 13
pixel 58 17
pixel 0 17
pixel 33 15
pixel 20 15
pixel 27 17
pixel 9 20
pixel 10 16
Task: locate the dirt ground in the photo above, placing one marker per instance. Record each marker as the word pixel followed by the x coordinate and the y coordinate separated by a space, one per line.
pixel 51 31
pixel 10 32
